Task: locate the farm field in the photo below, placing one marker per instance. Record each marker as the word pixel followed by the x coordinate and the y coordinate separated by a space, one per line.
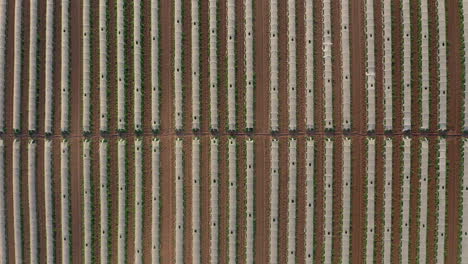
pixel 233 131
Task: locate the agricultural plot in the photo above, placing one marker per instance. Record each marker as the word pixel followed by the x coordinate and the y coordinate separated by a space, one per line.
pixel 233 131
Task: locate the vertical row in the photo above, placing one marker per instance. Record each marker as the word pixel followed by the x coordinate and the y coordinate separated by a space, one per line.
pixel 178 65
pixel 274 201
pixel 232 221
pixel 86 114
pixel 327 61
pixel 155 65
pixel 370 207
pixel 65 67
pixel 309 28
pixel 250 203
pixel 370 65
pixel 138 201
pixel 441 202
pixel 388 184
pixel 345 65
pixel 137 61
pixel 195 66
pixel 103 198
pixel 423 200
pixel 214 203
pixel 292 100
pixel 87 203
pixel 249 66
pixel 49 68
pixel 3 212
pixel 33 39
pixel 442 61
pixel 49 202
pixel 103 65
pixel 179 202
pixel 274 68
pixel 424 65
pixel 17 66
pixel 213 61
pixel 406 69
pixel 196 201
pixel 292 197
pixel 310 205
pixel 122 201
pixel 17 216
pixel 464 205
pixel 346 196
pixel 231 64
pixel 121 66
pixel 464 18
pixel 32 198
pixel 3 28
pixel 155 209
pixel 65 201
pixel 328 201
pixel 387 64
pixel 405 200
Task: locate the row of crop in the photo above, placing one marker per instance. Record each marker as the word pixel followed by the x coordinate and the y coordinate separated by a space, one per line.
pixel 3 237
pixel 249 66
pixel 49 202
pixel 87 202
pixel 214 203
pixel 17 216
pixel 3 27
pixel 292 198
pixel 424 65
pixel 196 245
pixel 388 168
pixel 179 202
pixel 442 62
pixel 464 206
pixel 292 93
pixel 178 99
pixel 309 56
pixel 137 62
pixel 328 202
pixel 274 201
pixel 441 200
pixel 213 61
pixel 250 203
pixel 232 207
pixel 49 68
pixel 346 202
pixel 405 200
pixel 17 57
pixel 274 67
pixel 104 201
pixel 423 193
pixel 345 65
pixel 65 201
pixel 387 64
pixel 370 199
pixel 155 212
pixel 155 118
pixel 32 200
pixel 138 201
pixel 122 202
pixel 327 61
pixel 121 81
pixel 406 67
pixel 65 67
pixel 195 66
pixel 103 112
pixel 33 41
pixel 231 64
pixel 464 53
pixel 310 205
pixel 86 82
pixel 370 64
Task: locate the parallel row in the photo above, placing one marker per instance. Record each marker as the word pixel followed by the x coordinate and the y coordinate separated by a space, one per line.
pixel 249 65
pixel 388 182
pixel 17 216
pixel 3 212
pixel 406 69
pixel 137 62
pixel 178 65
pixel 32 199
pixel 155 210
pixel 3 28
pixel 405 200
pixel 179 202
pixel 292 93
pixel 442 62
pixel 274 67
pixel 370 65
pixel 65 201
pixel 465 61
pixel 17 66
pixel 423 194
pixel 250 203
pixel 387 64
pixel 86 72
pixel 345 65
pixel 121 31
pixel 103 126
pixel 424 57
pixel 65 68
pixel 274 201
pixel 292 198
pixel 196 244
pixel 49 202
pixel 310 205
pixel 231 64
pixel 195 66
pixel 328 202
pixel 138 201
pixel 103 201
pixel 232 207
pixel 49 68
pixel 122 201
pixel 346 196
pixel 442 201
pixel 155 118
pixel 213 61
pixel 214 203
pixel 370 207
pixel 327 61
pixel 309 67
pixel 87 206
pixel 33 40
pixel 464 206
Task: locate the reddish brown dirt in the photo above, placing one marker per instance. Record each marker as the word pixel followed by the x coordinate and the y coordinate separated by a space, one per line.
pixel 337 197
pixel 319 200
pixel 336 71
pixel 205 197
pixel 283 199
pixel 433 67
pixel 396 197
pixel 414 200
pixel 112 60
pixel 187 62
pixel 379 94
pixel 319 111
pixel 416 68
pixel 241 199
pixel 222 69
pixel 432 203
pixel 300 68
pixel 379 197
pixel 453 190
pixel 301 200
pixel 397 48
pixel 146 84
pixel 223 201
pixel 283 74
pixel 187 189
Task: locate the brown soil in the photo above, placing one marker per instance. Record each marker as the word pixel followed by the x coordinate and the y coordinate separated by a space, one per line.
pixel 453 190
pixel 187 189
pixel 319 199
pixel 379 89
pixel 336 71
pixel 187 62
pixel 396 196
pixel 431 201
pixel 283 74
pixel 397 48
pixel 416 68
pixel 379 197
pixel 300 67
pixel 283 199
pixel 319 111
pixel 414 200
pixel 433 67
pixel 337 197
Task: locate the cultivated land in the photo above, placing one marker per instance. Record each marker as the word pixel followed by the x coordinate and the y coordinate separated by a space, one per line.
pixel 173 196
